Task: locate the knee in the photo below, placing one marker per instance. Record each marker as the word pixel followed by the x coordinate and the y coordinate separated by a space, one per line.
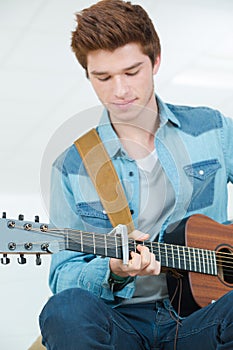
pixel 71 305
pixel 227 299
pixel 224 306
pixel 65 306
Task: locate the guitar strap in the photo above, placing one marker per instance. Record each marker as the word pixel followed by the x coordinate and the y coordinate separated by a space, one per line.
pixel 105 179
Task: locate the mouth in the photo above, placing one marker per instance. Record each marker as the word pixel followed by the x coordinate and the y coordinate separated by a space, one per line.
pixel 124 104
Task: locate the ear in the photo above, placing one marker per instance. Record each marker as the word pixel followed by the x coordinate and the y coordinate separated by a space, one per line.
pixel 156 65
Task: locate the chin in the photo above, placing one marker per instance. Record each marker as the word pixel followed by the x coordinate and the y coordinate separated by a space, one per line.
pixel 125 112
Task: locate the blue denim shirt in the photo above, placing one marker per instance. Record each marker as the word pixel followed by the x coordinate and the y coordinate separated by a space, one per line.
pixel 195 148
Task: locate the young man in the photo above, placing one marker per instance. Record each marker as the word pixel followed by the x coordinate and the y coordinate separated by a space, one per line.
pixel 173 162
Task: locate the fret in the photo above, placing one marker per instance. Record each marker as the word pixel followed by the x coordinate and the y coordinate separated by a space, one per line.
pixel 190 260
pixel 212 254
pixel 159 252
pixel 184 258
pixel 210 262
pixel 154 247
pixel 170 255
pixel 194 259
pixel 173 257
pixel 206 261
pixel 199 259
pixel 86 243
pixel 178 255
pixel 187 258
pixel 151 248
pixel 166 256
pixel 211 257
pixel 135 246
pixel 175 253
pixel 215 263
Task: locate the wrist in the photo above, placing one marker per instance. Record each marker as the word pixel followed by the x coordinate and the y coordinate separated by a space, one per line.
pixel 118 278
pixel 118 282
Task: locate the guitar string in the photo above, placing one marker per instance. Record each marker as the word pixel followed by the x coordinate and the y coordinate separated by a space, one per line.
pixel 89 237
pixel 89 241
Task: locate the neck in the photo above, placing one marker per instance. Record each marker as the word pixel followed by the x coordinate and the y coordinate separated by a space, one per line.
pixel 137 136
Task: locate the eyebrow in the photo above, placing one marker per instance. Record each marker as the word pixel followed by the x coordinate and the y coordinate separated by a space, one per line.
pixel 135 65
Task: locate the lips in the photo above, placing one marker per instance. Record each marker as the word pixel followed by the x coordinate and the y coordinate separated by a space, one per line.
pixel 123 104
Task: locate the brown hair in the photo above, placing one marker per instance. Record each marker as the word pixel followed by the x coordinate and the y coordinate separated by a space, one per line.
pixel 110 24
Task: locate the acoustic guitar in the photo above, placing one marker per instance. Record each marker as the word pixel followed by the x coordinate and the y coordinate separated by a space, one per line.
pixel 197 254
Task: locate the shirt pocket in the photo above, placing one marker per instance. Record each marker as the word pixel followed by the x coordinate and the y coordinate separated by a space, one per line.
pixel 94 216
pixel 202 177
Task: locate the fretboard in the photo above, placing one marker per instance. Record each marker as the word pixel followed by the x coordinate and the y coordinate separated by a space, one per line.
pixel 170 255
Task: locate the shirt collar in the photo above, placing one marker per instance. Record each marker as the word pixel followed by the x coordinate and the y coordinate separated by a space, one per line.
pixel 165 113
pixel 109 136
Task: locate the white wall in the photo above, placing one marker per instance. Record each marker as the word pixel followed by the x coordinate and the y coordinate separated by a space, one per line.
pixel 42 86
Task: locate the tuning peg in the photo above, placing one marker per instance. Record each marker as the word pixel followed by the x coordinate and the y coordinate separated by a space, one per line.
pixel 22 260
pixel 4 215
pixel 37 219
pixel 38 259
pixel 5 260
pixel 21 217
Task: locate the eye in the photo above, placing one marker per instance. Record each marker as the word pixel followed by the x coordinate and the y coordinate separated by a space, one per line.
pixel 130 74
pixel 104 79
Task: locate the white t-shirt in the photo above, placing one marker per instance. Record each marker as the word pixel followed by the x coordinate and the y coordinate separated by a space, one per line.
pixel 157 199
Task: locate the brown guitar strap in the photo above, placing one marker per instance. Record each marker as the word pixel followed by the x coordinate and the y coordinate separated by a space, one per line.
pixel 105 179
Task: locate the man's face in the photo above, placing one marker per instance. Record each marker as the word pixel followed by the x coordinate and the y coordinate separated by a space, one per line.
pixel 123 81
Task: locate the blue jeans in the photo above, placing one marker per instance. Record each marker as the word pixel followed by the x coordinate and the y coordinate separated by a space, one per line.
pixel 77 320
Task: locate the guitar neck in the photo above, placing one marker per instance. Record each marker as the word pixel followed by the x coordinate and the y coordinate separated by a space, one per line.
pixel 27 237
pixel 169 255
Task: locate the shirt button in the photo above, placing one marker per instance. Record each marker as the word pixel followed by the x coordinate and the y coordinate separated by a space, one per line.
pixel 131 173
pixel 104 212
pixel 201 172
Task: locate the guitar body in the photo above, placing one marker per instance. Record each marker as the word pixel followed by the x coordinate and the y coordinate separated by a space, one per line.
pixel 190 291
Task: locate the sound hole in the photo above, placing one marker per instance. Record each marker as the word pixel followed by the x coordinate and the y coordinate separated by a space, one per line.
pixel 225 264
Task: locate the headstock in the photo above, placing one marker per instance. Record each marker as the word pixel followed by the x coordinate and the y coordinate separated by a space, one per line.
pixel 26 237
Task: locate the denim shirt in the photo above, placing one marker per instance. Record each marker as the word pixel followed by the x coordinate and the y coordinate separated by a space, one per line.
pixel 195 148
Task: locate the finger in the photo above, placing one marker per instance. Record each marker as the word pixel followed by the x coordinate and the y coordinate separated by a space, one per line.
pixel 134 265
pixel 145 255
pixel 154 268
pixel 138 235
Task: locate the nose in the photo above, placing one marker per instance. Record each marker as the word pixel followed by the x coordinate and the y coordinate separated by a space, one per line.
pixel 121 87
